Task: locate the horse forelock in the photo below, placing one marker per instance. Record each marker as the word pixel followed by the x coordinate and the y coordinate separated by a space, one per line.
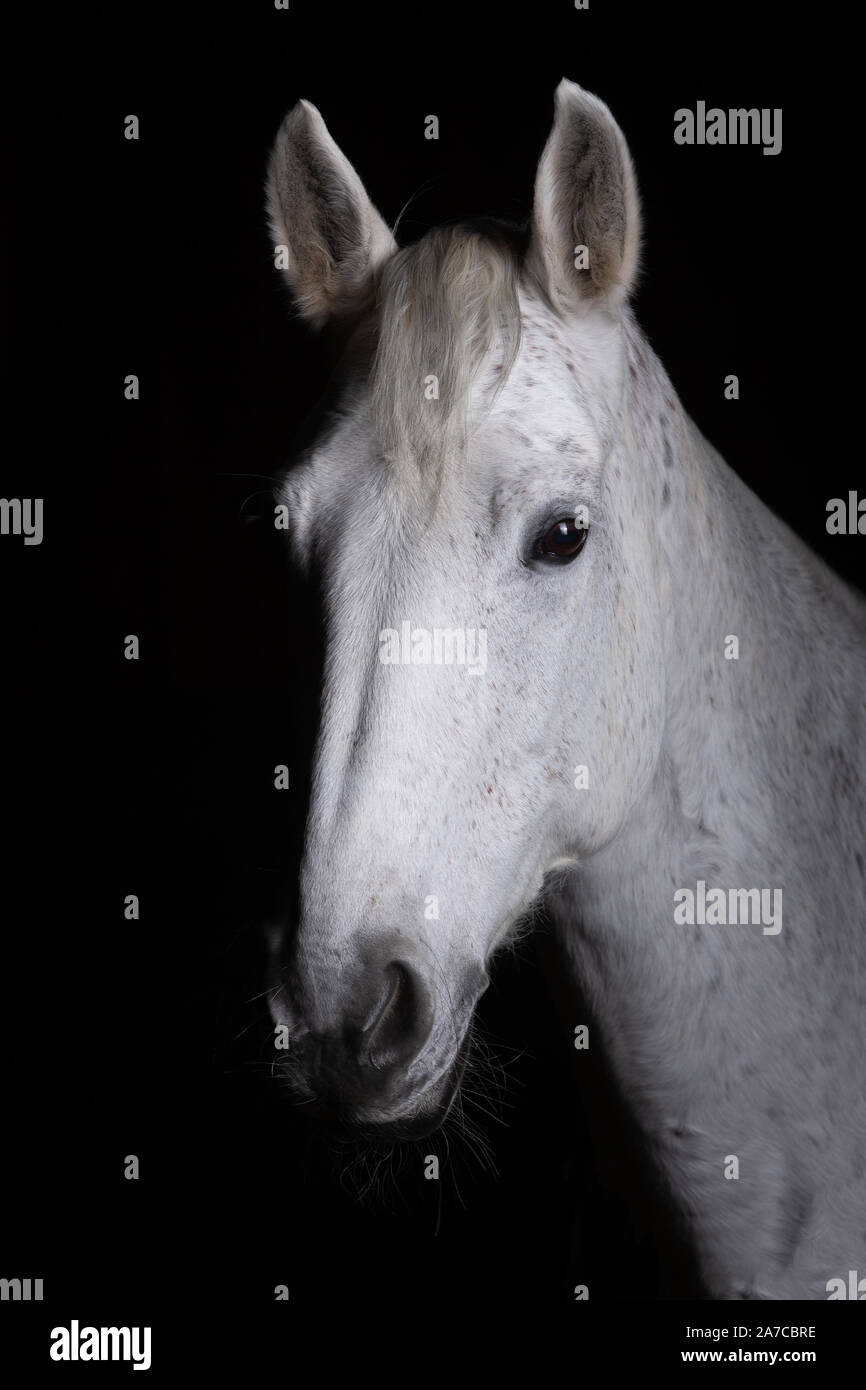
pixel 448 336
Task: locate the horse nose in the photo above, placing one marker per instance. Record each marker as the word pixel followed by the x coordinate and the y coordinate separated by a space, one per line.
pixel 400 1022
pixel 374 1048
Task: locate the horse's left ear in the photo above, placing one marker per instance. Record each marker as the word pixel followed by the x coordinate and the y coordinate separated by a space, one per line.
pixel 586 215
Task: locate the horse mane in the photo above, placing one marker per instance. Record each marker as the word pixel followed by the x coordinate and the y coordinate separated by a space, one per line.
pixel 447 306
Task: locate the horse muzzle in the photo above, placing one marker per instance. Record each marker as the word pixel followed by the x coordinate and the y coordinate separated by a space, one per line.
pixel 389 1067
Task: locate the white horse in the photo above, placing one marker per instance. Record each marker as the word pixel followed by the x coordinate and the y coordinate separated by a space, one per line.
pixel 568 651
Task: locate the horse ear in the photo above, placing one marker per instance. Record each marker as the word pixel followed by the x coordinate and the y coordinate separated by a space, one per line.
pixel 319 211
pixel 586 215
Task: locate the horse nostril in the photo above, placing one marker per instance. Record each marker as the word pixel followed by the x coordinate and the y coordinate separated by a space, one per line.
pixel 400 1026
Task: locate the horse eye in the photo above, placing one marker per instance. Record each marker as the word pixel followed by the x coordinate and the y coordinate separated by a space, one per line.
pixel 562 542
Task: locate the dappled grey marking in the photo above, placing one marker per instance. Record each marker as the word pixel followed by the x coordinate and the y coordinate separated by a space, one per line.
pixel 434 788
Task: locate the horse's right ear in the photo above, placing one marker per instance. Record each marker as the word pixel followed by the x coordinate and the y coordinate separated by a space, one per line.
pixel 319 211
pixel 586 216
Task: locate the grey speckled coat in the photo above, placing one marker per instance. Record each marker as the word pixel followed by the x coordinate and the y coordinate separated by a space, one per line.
pixel 488 399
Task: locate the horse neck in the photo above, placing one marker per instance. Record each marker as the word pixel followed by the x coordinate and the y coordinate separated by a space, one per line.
pixel 728 568
pixel 760 782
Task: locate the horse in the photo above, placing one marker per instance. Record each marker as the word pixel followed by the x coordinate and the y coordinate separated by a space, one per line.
pixel 660 734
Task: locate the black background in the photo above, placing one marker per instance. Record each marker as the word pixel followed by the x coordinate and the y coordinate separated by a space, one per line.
pixel 155 777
